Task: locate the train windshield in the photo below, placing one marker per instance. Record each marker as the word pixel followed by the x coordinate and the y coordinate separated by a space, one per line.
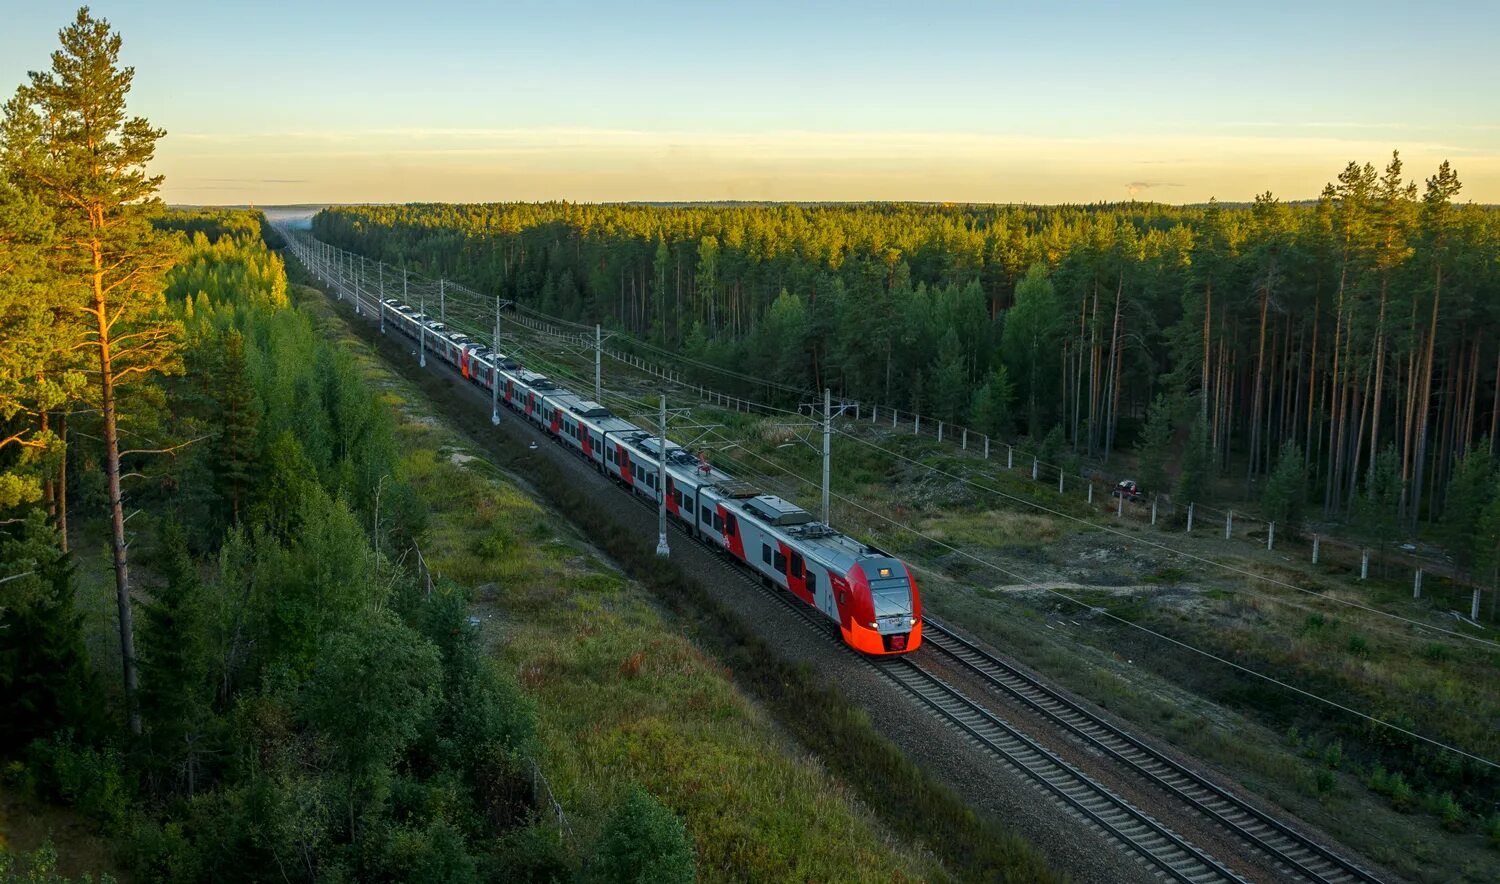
pixel 892 596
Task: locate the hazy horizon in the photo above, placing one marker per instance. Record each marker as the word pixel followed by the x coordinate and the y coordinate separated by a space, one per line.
pixel 965 102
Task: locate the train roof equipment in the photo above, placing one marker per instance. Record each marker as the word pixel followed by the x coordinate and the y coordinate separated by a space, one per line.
pixel 774 510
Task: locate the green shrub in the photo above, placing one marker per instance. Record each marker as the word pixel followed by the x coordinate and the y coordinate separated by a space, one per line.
pixel 38 867
pixel 160 853
pixel 1436 652
pixel 1333 754
pixel 531 855
pixel 1400 792
pixel 1447 810
pixel 88 779
pixel 643 842
pixel 1358 646
pixel 1325 781
pixel 433 855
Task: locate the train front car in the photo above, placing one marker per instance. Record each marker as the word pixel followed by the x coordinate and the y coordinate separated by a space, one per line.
pixel 884 610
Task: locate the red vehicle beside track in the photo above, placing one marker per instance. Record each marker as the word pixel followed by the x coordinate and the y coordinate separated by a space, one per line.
pixel 870 595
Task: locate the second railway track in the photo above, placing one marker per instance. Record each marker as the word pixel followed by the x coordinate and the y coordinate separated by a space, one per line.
pixel 1294 853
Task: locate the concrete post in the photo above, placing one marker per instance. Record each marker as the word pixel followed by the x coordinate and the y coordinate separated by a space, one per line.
pixel 662 549
pixel 1091 492
pixel 1474 606
pixel 827 446
pixel 986 447
pixel 1315 549
pixel 940 431
pixel 1033 469
pixel 1270 537
pixel 916 425
pixel 1228 524
pixel 1190 519
pixel 1153 512
pixel 1416 586
pixel 495 370
pixel 1120 510
pixel 873 413
pixel 964 443
pixel 1364 564
pixel 894 414
pixel 1010 452
pixel 1060 476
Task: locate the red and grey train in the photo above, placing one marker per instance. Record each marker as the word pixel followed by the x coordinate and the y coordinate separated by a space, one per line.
pixel 870 594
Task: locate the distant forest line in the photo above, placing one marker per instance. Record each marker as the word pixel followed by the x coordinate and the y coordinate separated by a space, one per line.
pixel 1356 337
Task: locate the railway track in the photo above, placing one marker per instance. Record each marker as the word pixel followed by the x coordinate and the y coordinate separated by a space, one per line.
pixel 1294 852
pixel 1174 856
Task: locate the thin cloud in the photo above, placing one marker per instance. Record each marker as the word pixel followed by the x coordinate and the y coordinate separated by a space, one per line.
pixel 1136 187
pixel 253 180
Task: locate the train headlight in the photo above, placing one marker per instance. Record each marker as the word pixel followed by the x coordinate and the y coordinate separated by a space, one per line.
pixel 913 621
pixel 874 625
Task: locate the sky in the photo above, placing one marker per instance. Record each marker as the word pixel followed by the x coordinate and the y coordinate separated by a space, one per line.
pixel 327 101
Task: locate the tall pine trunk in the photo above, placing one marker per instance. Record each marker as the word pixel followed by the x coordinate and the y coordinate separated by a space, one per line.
pixel 62 482
pixel 112 476
pixel 1419 456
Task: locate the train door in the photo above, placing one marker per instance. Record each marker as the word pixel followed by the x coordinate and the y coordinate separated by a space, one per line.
pixel 822 590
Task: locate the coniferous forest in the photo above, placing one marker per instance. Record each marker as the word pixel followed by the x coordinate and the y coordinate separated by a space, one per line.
pixel 285 697
pixel 1355 333
pixel 226 653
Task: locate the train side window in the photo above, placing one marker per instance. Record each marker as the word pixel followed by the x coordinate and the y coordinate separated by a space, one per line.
pixel 812 582
pixel 797 564
pixel 765 553
pixel 707 517
pixel 733 523
pixel 779 562
pixel 687 503
pixel 842 597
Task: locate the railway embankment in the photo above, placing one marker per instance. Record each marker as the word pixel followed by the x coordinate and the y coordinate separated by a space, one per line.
pixel 765 754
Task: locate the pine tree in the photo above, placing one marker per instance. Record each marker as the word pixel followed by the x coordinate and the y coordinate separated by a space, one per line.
pixel 1286 490
pixel 44 670
pixel 1373 513
pixel 1468 498
pixel 35 376
pixel 1486 548
pixel 1197 463
pixel 990 411
pixel 1155 444
pixel 67 140
pixel 175 665
pixel 949 384
pixel 237 446
pixel 1033 331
